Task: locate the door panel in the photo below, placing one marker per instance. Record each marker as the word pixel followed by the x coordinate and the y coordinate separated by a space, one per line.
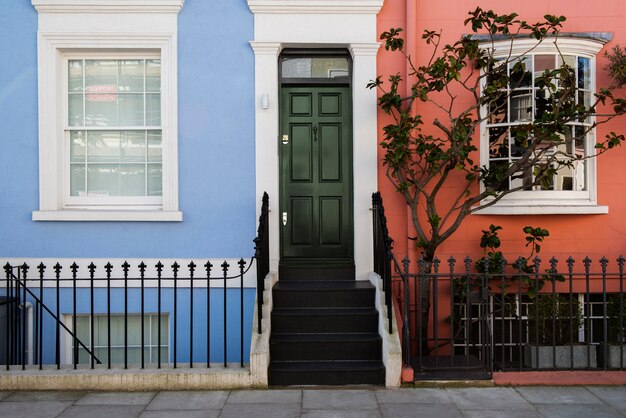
pixel 301 152
pixel 316 174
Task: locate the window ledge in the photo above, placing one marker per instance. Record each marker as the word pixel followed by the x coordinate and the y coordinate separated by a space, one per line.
pixel 108 215
pixel 526 209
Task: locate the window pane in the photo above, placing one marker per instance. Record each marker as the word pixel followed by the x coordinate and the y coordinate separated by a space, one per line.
pixel 570 80
pixel 77 146
pixel 499 142
pixel 132 180
pixel 134 330
pixel 153 75
pixel 155 180
pixel 164 326
pixel 131 110
pixel 153 109
pixel 315 67
pixel 75 110
pixel 521 106
pixel 522 179
pixel 498 110
pixel 103 180
pixel 543 63
pixel 154 146
pixel 103 146
pixel 77 180
pixel 101 75
pixel 75 78
pixel 520 72
pixel 130 76
pixel 133 146
pixel 101 109
pixel 584 73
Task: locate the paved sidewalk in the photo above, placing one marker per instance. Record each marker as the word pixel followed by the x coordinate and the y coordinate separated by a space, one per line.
pixel 591 401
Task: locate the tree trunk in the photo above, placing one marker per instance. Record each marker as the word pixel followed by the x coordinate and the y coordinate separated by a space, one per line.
pixel 425 269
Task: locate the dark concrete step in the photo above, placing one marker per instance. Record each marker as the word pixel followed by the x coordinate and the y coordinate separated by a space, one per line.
pixel 324 320
pixel 301 272
pixel 287 373
pixel 315 347
pixel 323 293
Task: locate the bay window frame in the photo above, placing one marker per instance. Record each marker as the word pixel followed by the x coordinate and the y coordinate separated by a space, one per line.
pixel 546 201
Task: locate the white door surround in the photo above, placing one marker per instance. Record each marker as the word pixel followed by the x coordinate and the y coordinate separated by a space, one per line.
pixel 349 24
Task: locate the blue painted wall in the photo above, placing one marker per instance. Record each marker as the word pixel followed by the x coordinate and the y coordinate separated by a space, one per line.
pixel 216 146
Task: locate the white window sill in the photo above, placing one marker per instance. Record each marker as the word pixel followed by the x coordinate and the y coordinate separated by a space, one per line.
pixel 108 215
pixel 543 209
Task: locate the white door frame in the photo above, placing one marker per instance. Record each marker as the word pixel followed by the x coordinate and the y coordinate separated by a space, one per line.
pixel 349 24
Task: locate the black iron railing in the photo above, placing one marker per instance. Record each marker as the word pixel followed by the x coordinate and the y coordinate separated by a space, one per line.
pixel 382 252
pixel 262 255
pixel 165 314
pixel 515 316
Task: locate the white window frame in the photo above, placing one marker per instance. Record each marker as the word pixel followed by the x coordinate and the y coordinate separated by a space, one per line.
pixel 547 201
pixel 75 28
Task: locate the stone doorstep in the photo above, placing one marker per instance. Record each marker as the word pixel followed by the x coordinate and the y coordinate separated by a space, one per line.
pixel 200 378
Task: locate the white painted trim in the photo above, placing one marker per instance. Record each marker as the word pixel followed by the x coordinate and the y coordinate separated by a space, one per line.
pixel 315 6
pixel 112 6
pixel 117 274
pixel 107 215
pixel 94 31
pixel 347 24
pixel 525 208
pixel 566 46
pixel 391 347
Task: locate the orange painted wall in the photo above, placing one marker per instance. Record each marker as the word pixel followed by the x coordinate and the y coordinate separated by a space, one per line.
pixel 576 235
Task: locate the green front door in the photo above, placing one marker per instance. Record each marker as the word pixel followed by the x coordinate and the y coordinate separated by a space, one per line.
pixel 316 175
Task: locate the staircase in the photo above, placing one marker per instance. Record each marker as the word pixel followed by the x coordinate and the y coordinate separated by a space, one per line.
pixel 324 329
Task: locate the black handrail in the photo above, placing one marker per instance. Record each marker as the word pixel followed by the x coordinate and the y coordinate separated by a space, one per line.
pixel 262 255
pixel 383 257
pixel 20 282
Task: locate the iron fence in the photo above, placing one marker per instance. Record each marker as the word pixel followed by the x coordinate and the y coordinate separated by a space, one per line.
pixel 517 316
pixel 175 316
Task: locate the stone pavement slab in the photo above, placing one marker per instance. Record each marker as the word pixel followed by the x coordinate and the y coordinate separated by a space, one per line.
pixel 43 396
pixel 102 411
pixel 502 414
pixel 406 395
pixel 172 401
pixel 233 410
pixel 4 395
pixel 331 413
pixel 558 395
pixel 420 410
pixel 265 396
pixel 612 395
pixel 116 398
pixel 181 414
pixel 578 411
pixel 490 399
pixel 339 399
pixel 32 409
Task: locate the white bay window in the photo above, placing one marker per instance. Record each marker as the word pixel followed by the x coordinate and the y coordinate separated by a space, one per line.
pixel 572 189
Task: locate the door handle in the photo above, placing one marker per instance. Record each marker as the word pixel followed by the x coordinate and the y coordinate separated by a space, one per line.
pixel 315 132
pixel 284 218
